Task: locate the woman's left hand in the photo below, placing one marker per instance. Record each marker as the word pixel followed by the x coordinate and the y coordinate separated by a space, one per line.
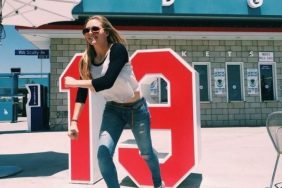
pixel 73 130
pixel 70 81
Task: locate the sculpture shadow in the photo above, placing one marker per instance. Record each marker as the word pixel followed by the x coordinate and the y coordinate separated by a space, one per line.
pixel 36 164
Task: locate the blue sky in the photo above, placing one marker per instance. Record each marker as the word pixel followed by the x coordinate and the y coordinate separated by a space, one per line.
pixel 8 59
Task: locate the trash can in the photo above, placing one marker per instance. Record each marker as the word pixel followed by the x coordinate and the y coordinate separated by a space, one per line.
pixel 8 109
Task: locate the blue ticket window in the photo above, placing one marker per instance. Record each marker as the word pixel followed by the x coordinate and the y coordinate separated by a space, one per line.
pixel 234 82
pixel 203 71
pixel 267 86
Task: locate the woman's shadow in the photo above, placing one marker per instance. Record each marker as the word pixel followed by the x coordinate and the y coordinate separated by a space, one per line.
pixel 192 181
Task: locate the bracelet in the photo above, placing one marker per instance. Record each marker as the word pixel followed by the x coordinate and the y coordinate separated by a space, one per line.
pixel 75 120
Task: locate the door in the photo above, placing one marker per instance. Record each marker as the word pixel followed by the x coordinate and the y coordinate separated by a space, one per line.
pixel 266 82
pixel 203 79
pixel 234 82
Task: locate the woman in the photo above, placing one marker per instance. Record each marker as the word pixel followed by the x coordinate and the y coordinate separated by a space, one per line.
pixel 104 68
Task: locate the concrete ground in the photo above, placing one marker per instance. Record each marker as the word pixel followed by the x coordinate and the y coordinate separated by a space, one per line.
pixel 230 158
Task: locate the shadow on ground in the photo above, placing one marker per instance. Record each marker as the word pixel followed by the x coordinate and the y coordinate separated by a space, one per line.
pixel 192 181
pixel 36 164
pixel 13 132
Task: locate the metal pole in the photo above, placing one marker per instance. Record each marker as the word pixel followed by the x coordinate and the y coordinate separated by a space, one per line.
pixel 1 27
pixel 41 68
pixel 0 11
pixel 274 171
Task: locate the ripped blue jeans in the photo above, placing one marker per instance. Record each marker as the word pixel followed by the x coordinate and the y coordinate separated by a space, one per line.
pixel 115 117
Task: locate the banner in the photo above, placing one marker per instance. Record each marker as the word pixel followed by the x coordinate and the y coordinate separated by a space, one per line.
pixel 252 77
pixel 219 81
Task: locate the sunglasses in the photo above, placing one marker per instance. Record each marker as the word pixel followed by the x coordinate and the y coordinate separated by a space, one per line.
pixel 93 29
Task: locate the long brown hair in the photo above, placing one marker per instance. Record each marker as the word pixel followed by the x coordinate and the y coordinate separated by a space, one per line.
pixel 89 53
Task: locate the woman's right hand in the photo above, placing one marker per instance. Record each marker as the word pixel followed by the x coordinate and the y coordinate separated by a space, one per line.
pixel 73 130
pixel 70 81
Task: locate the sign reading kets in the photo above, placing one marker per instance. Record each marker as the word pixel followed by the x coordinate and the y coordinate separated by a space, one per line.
pixel 41 54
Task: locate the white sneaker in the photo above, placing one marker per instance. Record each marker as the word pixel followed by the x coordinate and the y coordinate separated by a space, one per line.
pixel 162 186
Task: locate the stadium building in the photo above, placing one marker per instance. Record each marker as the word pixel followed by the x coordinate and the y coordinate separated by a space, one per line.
pixel 235 46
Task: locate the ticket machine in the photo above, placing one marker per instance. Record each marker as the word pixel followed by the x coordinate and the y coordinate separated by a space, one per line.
pixel 37 108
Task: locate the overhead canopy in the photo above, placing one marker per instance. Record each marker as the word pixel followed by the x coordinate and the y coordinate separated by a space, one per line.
pixel 33 13
pixel 221 9
pixel 181 19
